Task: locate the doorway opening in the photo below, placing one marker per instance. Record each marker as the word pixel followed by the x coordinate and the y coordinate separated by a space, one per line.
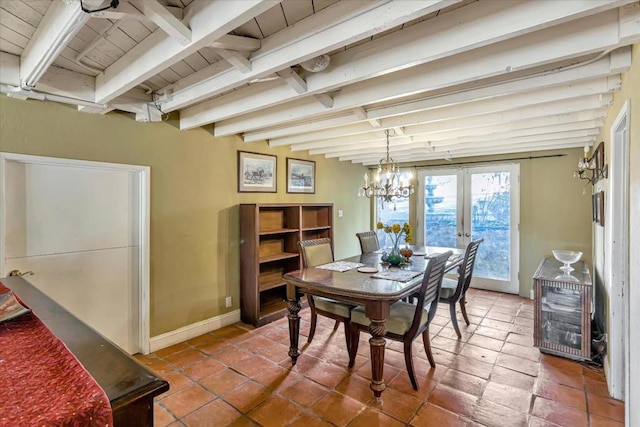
pixel 82 228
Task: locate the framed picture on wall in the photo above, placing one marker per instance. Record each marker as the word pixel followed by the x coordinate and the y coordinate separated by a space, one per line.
pixel 257 173
pixel 301 176
pixel 601 168
pixel 600 208
pixel 597 202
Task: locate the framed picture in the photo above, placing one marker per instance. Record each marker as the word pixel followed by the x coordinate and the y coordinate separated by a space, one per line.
pixel 601 168
pixel 597 202
pixel 257 173
pixel 301 176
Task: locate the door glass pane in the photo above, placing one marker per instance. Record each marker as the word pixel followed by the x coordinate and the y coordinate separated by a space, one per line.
pixel 440 207
pixel 388 215
pixel 490 219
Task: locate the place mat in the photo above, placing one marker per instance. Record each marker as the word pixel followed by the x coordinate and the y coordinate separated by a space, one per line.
pixel 397 275
pixel 340 266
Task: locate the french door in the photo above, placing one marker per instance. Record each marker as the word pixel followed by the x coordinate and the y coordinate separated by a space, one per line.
pixel 456 206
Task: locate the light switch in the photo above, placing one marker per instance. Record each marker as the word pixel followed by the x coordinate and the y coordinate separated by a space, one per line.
pixel 340 213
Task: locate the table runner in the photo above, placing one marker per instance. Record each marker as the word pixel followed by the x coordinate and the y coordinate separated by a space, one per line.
pixel 41 381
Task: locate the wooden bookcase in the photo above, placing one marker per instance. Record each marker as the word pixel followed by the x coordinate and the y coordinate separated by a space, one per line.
pixel 269 235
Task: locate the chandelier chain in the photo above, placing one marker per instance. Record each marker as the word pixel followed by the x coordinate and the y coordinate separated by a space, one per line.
pixel 388 185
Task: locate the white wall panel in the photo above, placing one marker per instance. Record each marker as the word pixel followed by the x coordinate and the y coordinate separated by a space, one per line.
pixel 99 287
pixel 68 209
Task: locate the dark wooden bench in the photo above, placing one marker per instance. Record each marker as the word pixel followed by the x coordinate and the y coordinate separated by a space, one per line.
pixel 129 385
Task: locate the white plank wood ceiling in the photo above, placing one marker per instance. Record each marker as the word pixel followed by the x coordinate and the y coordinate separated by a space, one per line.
pixel 447 78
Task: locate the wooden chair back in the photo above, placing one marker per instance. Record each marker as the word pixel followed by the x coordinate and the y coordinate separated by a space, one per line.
pixel 368 241
pixel 429 293
pixel 316 252
pixel 465 271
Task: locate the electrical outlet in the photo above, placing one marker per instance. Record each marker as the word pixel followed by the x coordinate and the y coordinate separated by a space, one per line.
pixel 340 213
pixel 228 302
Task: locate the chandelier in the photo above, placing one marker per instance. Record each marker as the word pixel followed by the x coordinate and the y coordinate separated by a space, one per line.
pixel 388 184
pixel 594 164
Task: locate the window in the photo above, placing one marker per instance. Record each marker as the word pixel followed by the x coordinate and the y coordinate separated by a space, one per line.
pixel 391 213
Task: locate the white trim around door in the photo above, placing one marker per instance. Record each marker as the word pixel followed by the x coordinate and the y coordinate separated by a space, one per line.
pixel 616 263
pixel 142 182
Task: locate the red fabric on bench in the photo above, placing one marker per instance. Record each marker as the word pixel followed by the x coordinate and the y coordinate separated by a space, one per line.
pixel 41 381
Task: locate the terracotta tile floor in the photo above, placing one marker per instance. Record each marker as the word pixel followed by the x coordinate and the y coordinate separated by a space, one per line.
pixel 493 376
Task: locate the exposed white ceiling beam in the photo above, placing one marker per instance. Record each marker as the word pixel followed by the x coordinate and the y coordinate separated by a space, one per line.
pixel 609 65
pixel 486 151
pixel 493 105
pixel 293 79
pixel 324 99
pixel 231 42
pixel 332 28
pixel 379 147
pixel 263 134
pixel 603 67
pixel 588 35
pixel 618 61
pixel 236 59
pixel 408 154
pixel 487 123
pixel 361 113
pixel 59 25
pixel 63 82
pixel 164 19
pixel 158 50
pixel 427 41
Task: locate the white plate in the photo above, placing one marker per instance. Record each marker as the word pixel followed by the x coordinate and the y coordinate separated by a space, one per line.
pixel 367 269
pixel 418 254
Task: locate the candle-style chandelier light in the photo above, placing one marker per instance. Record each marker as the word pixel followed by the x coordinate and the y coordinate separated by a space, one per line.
pixel 388 184
pixel 594 164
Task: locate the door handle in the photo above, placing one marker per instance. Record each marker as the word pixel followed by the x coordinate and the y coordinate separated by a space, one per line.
pixel 459 234
pixel 18 273
pixel 467 235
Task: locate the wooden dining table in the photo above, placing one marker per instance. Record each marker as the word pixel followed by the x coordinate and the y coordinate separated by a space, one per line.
pixel 355 287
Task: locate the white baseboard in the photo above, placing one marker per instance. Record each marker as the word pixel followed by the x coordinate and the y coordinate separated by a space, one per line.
pixel 191 331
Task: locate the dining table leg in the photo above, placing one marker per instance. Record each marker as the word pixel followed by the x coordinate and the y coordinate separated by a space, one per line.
pixel 294 328
pixel 377 344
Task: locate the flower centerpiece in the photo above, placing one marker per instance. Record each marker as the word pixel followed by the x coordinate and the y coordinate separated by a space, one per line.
pixel 395 232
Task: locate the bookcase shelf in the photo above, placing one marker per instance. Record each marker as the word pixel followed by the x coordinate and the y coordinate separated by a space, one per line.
pixel 270 234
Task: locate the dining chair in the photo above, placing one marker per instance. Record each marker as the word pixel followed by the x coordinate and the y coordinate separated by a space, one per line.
pixel 454 290
pixel 317 252
pixel 406 320
pixel 368 241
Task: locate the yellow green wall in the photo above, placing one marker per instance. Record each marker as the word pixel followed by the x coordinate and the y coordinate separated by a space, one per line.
pixel 194 198
pixel 630 92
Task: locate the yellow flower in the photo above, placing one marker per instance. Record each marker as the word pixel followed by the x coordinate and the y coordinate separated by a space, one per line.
pixel 397 231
